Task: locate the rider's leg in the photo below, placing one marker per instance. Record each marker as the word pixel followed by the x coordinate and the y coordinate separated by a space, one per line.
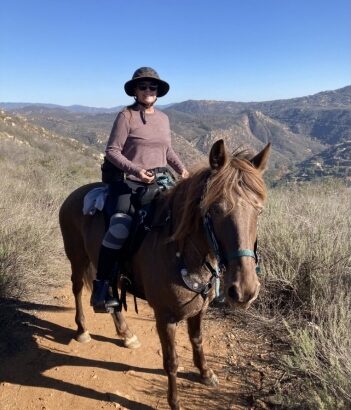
pixel 101 299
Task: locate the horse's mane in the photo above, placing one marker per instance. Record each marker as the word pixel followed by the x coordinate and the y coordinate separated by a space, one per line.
pixel 193 197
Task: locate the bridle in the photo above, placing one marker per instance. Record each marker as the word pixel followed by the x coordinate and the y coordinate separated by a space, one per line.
pixel 221 257
pixel 224 258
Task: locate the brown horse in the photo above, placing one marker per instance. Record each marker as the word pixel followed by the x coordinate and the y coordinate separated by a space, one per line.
pixel 228 196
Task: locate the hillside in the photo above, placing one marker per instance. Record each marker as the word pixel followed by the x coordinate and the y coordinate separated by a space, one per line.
pixel 90 129
pixel 325 117
pixel 332 162
pixel 335 99
pixel 299 128
pixel 21 132
pixel 38 168
pixel 249 128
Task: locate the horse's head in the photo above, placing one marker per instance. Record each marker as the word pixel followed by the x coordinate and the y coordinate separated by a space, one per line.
pixel 233 200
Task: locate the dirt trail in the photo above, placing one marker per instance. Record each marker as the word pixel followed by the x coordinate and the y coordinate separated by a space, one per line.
pixel 48 370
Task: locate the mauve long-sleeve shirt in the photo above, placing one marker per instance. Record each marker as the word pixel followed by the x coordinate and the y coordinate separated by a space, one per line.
pixel 134 146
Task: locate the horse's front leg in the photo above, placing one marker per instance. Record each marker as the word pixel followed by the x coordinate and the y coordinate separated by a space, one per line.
pixel 129 340
pixel 195 334
pixel 166 331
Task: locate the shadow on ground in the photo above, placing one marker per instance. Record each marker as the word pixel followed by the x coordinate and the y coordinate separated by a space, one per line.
pixel 19 350
pixel 21 328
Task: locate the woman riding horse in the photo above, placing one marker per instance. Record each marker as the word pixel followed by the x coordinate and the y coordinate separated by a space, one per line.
pixel 137 152
pixel 213 214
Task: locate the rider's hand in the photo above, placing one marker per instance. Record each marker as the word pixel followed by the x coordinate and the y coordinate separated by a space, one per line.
pixel 146 176
pixel 184 174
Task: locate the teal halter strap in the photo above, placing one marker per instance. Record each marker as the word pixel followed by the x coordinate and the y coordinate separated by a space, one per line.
pixel 245 252
pixel 222 258
pixel 239 253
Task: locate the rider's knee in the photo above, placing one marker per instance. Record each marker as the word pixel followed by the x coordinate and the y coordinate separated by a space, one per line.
pixel 118 230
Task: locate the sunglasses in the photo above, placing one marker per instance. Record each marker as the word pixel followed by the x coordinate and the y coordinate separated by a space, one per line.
pixel 144 87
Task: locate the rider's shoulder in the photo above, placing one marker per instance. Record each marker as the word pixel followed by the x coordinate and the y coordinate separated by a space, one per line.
pixel 161 114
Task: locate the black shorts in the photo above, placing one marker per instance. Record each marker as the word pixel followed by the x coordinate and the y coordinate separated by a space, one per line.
pixel 127 195
pixel 123 194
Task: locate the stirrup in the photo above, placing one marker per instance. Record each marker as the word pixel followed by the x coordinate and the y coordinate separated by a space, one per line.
pixel 100 300
pixel 106 307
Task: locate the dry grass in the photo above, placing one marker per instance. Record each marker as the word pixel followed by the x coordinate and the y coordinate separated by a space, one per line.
pixel 305 239
pixel 35 180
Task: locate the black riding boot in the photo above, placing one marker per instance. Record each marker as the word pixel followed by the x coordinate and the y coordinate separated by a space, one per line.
pixel 101 298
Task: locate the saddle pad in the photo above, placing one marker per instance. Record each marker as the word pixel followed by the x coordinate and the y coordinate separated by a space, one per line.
pixel 94 200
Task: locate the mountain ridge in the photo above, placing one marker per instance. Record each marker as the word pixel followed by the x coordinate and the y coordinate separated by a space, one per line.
pixel 299 128
pixel 325 98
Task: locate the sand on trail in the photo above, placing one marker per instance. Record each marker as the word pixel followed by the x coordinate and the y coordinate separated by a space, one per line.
pixel 45 368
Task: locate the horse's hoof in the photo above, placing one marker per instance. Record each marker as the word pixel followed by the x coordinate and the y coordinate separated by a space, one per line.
pixel 211 380
pixel 83 337
pixel 132 342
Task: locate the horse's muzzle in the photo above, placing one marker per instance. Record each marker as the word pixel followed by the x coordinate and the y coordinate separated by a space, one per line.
pixel 242 298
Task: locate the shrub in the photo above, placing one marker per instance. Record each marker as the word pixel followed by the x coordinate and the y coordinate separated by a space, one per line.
pixel 305 239
pixel 34 184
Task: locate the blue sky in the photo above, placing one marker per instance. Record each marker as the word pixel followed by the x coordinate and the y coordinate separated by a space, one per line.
pixel 83 51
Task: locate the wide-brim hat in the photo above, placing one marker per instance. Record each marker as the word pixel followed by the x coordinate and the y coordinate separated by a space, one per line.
pixel 146 73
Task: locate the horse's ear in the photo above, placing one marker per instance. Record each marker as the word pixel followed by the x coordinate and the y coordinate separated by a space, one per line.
pixel 218 155
pixel 260 160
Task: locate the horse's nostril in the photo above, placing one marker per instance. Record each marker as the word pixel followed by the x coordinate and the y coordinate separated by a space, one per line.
pixel 233 294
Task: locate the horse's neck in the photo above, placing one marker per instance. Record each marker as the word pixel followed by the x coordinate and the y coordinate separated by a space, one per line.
pixel 194 247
